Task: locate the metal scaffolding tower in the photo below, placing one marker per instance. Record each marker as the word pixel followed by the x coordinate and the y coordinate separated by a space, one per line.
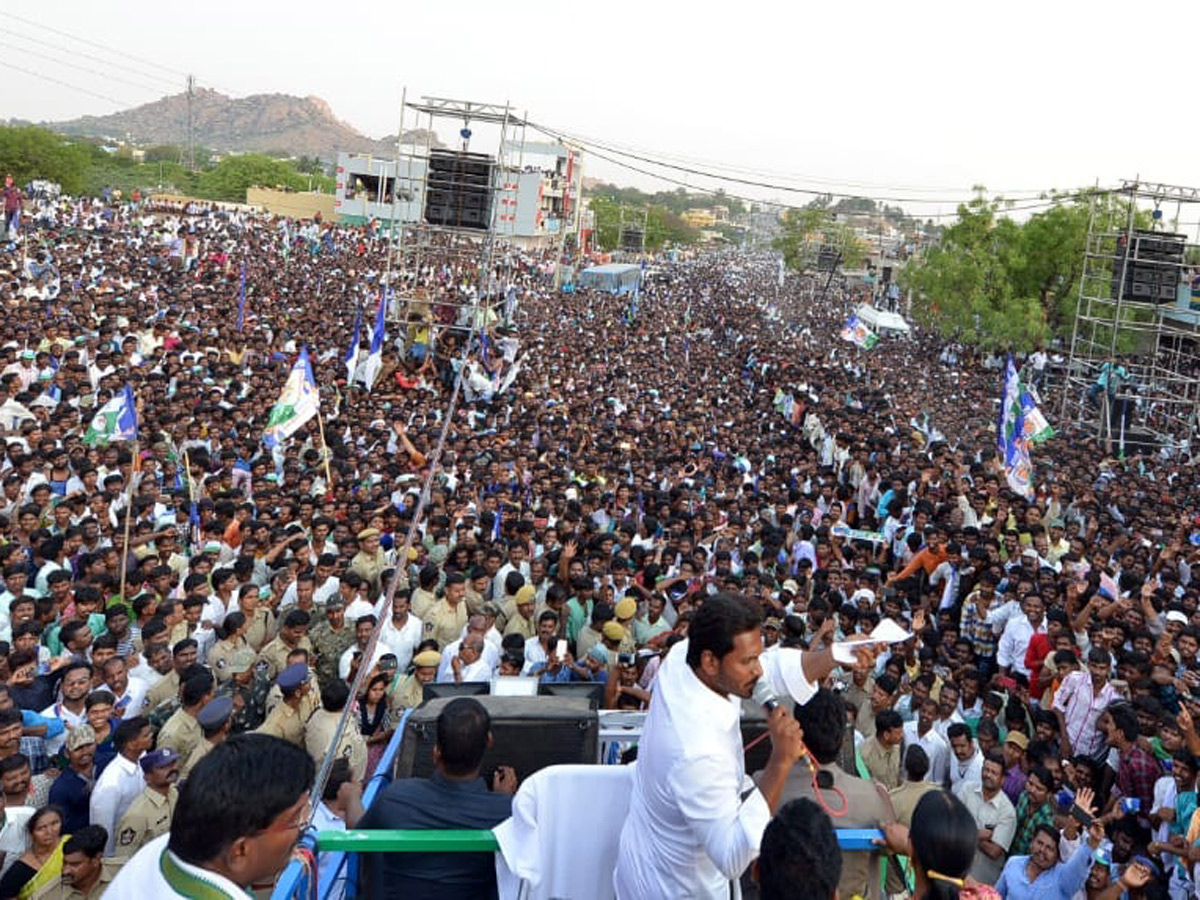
pixel 446 270
pixel 1133 375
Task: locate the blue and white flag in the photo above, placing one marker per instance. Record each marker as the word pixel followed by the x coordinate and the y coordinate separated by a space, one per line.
pixel 375 357
pixel 297 403
pixel 856 332
pixel 1036 428
pixel 351 357
pixel 115 421
pixel 1011 441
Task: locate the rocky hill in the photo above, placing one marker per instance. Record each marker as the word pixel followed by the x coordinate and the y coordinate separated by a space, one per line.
pixel 301 126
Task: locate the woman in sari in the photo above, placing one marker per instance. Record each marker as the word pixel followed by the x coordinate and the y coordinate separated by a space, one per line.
pixel 42 862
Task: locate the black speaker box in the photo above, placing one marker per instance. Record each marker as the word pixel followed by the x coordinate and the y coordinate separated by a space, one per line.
pixel 459 189
pixel 1150 264
pixel 530 733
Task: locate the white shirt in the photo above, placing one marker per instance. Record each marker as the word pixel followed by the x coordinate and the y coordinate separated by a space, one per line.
pixel 142 876
pixel 14 837
pixel 58 711
pixel 490 657
pixel 784 671
pixel 476 671
pixel 535 654
pixel 214 611
pixel 118 786
pixel 1014 642
pixel 357 609
pixel 935 748
pixel 971 770
pixel 401 641
pixel 131 702
pixel 695 819
pixel 348 657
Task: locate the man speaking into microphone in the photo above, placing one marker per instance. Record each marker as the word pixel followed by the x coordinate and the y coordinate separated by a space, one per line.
pixel 695 819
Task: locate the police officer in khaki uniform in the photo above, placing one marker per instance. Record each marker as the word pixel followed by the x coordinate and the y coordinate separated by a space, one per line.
pixel 425 596
pixel 293 634
pixel 181 732
pixel 408 691
pixel 370 561
pixel 260 620
pixel 183 654
pixel 320 729
pixel 150 814
pixel 448 617
pixel 521 620
pixel 215 720
pixel 312 697
pixel 285 720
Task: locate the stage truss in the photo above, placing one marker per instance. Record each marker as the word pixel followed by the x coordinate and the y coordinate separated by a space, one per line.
pixel 1154 336
pixel 446 277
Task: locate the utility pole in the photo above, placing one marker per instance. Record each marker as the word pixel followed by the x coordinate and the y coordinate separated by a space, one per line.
pixel 191 138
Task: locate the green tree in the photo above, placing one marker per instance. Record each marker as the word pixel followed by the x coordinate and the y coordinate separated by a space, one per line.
pixel 232 176
pixel 798 229
pixel 28 152
pixel 965 287
pixel 665 227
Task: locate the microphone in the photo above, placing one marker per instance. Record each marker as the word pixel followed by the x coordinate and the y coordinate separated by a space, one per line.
pixel 764 695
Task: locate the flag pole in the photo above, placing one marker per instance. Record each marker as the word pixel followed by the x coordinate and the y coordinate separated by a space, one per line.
pixel 324 451
pixel 187 470
pixel 133 471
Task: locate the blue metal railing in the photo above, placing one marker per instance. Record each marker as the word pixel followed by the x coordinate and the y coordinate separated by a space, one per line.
pixel 295 880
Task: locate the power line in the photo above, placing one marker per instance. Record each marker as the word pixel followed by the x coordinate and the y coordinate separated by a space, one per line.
pixel 1042 204
pixel 91 43
pixel 747 181
pixel 92 57
pixel 62 62
pixel 65 84
pixel 113 50
pixel 793 176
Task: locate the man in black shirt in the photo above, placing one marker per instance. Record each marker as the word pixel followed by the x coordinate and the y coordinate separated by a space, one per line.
pixel 455 797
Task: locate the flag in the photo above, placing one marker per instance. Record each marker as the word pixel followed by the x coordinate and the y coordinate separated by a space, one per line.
pixel 296 405
pixel 242 298
pixel 1037 429
pixel 856 332
pixel 375 357
pixel 1010 439
pixel 1108 586
pixel 351 358
pixel 115 421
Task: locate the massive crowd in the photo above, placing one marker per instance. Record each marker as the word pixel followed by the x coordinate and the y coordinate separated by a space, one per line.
pixel 612 463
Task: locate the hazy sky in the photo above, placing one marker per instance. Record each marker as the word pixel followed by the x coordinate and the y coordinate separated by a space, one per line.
pixel 902 100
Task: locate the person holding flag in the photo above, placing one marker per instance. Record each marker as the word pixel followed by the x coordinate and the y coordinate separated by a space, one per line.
pixel 1011 442
pixel 297 403
pixel 375 356
pixel 117 420
pixel 351 358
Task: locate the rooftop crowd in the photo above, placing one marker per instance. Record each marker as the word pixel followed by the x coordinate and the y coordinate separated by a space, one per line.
pixel 612 463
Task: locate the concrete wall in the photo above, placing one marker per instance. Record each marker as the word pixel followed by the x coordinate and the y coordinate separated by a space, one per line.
pixel 294 204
